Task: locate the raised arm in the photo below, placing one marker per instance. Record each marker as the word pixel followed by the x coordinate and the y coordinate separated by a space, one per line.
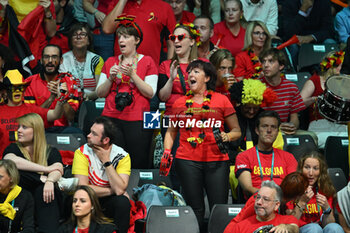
pixel 108 24
pixel 50 22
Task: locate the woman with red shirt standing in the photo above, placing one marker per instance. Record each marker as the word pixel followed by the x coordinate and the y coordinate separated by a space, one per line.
pixel 128 82
pixel 199 163
pixel 257 39
pixel 229 34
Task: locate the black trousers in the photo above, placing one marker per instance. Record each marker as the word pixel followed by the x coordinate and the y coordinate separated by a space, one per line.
pixel 117 208
pixel 135 140
pixel 195 177
pixel 47 215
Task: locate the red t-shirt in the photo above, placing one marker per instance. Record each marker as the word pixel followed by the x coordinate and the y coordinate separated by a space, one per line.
pixel 289 100
pixel 151 16
pixel 228 41
pixel 284 163
pixel 250 224
pixel 207 151
pixel 313 212
pixel 187 17
pixel 314 114
pixel 244 66
pixel 8 125
pixel 133 112
pixel 37 93
pixel 177 90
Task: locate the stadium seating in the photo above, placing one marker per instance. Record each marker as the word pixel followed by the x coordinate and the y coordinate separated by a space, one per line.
pixel 171 219
pixel 221 215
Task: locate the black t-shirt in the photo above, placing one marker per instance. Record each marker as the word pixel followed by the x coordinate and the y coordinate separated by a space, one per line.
pixel 30 180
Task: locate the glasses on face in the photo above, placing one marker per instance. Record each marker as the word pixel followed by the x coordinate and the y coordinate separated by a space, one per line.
pixel 53 57
pixel 19 88
pixel 263 199
pixel 180 37
pixel 260 34
pixel 79 35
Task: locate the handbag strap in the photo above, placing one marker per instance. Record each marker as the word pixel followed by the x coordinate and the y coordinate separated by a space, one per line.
pixel 182 80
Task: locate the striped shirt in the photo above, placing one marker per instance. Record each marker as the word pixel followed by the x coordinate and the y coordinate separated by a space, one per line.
pixel 289 100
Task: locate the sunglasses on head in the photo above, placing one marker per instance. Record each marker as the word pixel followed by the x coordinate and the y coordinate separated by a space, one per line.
pixel 180 37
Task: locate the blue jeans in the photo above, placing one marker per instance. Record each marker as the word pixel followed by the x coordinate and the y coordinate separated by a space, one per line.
pixel 316 228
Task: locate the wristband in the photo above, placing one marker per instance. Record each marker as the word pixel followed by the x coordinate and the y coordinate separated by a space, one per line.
pixel 48 17
pixel 167 151
pixel 328 211
pixel 300 208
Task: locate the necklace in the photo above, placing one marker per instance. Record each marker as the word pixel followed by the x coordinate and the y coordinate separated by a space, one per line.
pixel 124 78
pixel 79 68
pixel 256 64
pixel 272 163
pixel 194 141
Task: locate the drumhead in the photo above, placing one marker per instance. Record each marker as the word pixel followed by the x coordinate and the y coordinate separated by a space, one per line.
pixel 339 85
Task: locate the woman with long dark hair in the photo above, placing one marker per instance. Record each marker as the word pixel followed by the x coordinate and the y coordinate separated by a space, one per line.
pixel 87 216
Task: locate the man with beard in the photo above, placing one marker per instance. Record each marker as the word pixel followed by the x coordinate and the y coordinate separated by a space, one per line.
pixel 42 90
pixel 106 168
pixel 15 86
pixel 263 162
pixel 289 101
pixel 267 202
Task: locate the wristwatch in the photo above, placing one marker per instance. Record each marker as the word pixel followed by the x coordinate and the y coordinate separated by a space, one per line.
pixel 106 164
pixel 327 211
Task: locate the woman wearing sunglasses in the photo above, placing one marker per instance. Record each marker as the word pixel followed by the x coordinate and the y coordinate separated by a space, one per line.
pixel 128 82
pixel 257 39
pixel 172 82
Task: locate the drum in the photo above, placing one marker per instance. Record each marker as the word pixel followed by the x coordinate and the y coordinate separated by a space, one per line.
pixel 334 104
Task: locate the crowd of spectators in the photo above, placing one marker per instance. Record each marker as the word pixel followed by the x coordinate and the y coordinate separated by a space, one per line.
pixel 207 61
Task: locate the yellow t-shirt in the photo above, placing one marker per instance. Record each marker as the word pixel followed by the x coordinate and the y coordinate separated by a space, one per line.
pixel 87 163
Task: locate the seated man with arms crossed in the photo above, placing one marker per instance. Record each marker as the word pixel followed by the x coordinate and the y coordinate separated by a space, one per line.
pixel 263 162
